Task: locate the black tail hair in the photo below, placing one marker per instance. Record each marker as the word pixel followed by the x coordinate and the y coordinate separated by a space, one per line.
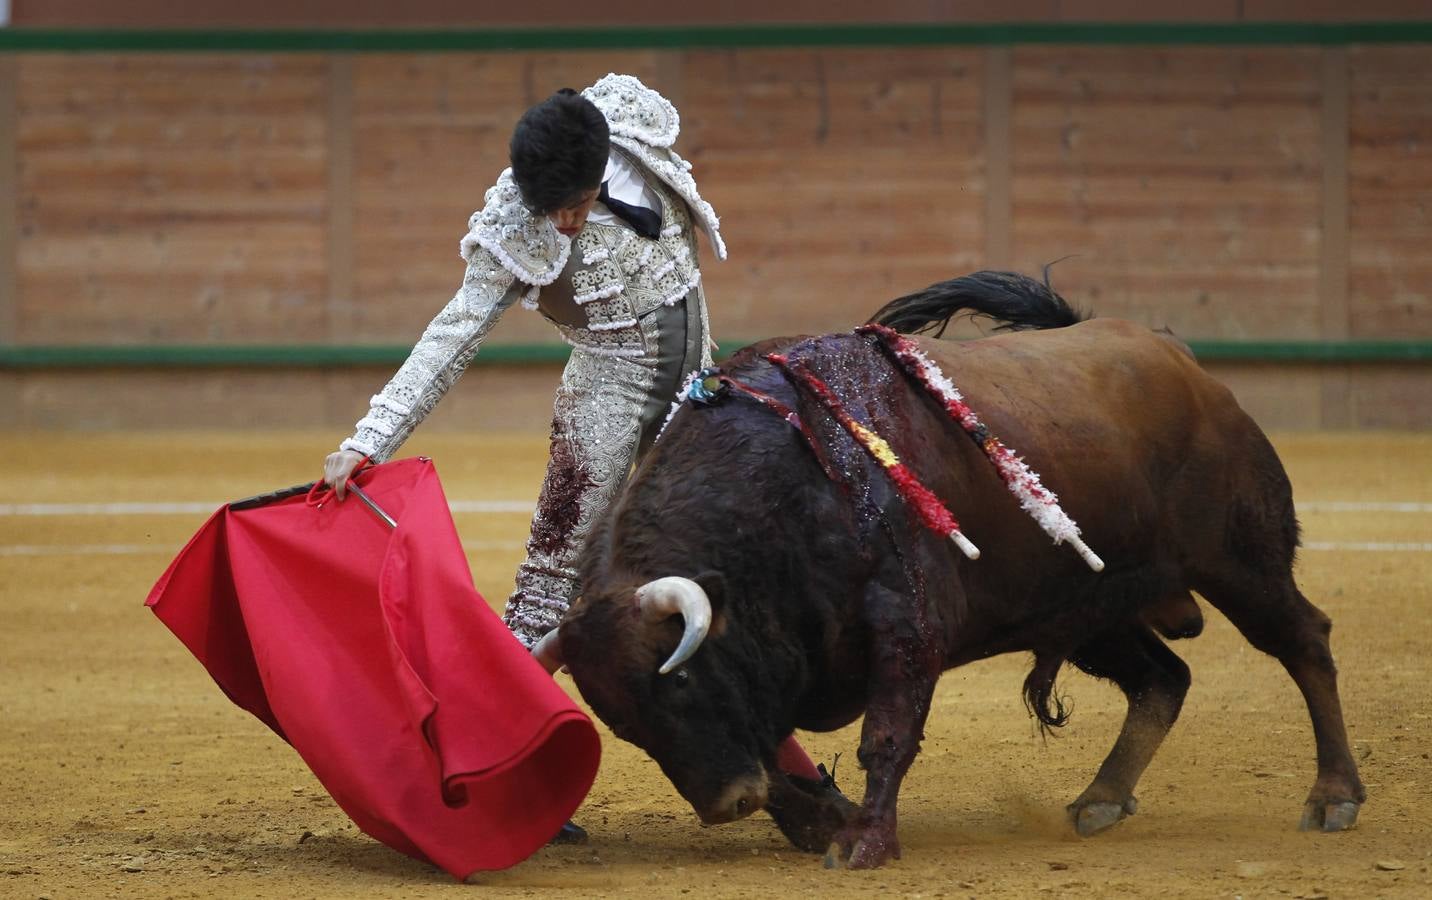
pixel 1050 710
pixel 1017 301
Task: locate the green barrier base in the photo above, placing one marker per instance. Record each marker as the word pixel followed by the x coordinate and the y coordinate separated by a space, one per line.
pixel 319 356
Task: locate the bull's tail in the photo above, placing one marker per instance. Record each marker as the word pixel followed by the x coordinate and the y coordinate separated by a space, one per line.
pixel 1051 710
pixel 1018 302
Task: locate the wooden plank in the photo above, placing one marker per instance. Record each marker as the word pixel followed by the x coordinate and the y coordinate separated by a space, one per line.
pixel 448 13
pixel 1391 397
pixel 519 398
pixel 496 397
pixel 10 384
pixel 843 178
pixel 1333 274
pixel 998 96
pixel 1333 10
pixel 671 77
pixel 1181 184
pixel 430 135
pixel 1148 11
pixel 9 198
pixel 1284 397
pixel 882 183
pixel 172 198
pixel 11 413
pixel 1333 280
pixel 341 256
pixel 1390 181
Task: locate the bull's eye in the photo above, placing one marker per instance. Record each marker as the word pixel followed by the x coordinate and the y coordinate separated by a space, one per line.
pixel 681 677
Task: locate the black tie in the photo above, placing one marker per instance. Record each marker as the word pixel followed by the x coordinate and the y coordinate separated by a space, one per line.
pixel 642 220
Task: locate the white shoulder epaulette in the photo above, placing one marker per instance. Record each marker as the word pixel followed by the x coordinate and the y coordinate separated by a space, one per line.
pixel 527 245
pixel 645 124
pixel 635 111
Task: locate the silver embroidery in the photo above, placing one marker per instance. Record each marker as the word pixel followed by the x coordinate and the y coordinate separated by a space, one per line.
pixel 440 357
pixel 527 245
pixel 596 428
pixel 634 110
pixel 631 275
pixel 645 124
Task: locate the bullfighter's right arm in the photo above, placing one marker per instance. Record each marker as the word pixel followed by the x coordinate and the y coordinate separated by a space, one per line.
pixel 510 253
pixel 438 359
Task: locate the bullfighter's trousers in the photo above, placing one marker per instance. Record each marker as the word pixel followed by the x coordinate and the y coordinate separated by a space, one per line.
pixel 607 413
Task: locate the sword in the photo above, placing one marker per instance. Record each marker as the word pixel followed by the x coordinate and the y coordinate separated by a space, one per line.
pixel 368 502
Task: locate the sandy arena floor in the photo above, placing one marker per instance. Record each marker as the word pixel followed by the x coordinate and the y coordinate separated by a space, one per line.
pixel 124 772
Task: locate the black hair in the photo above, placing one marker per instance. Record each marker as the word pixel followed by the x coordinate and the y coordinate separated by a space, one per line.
pixel 559 149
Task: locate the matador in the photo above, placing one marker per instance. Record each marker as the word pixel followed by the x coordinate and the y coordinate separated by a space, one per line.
pixel 594 227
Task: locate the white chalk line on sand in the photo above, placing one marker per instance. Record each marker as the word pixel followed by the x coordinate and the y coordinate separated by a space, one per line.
pixel 186 509
pixel 170 550
pixel 500 507
pixel 509 546
pixel 1362 506
pixel 1370 546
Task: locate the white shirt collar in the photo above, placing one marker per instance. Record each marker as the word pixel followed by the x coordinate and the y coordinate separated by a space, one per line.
pixel 624 182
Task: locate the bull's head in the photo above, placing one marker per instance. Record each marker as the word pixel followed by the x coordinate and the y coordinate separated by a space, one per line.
pixel 650 661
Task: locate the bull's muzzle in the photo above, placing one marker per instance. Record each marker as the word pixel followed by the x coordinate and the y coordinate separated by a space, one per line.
pixel 737 800
pixel 671 596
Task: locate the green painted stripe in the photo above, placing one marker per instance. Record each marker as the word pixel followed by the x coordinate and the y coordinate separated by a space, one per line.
pixel 705 37
pixel 1314 351
pixel 303 356
pixel 17 358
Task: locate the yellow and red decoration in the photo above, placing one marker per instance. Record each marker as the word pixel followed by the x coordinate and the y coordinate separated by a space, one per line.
pixel 928 507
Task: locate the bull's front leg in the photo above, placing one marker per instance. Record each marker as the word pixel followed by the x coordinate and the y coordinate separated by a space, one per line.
pixel 905 664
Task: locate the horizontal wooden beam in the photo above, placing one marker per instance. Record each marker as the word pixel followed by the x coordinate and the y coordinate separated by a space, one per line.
pixel 198 356
pixel 9 201
pixel 698 37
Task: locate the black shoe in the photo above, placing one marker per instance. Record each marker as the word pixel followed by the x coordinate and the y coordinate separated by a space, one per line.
pixel 570 833
pixel 827 779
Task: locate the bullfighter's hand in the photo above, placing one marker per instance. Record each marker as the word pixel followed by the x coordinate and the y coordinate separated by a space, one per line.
pixel 337 469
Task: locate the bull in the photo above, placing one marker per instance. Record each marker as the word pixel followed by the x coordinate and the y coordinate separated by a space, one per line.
pixel 755 578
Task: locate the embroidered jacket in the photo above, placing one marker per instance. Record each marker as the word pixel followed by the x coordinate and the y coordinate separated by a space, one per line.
pixel 593 288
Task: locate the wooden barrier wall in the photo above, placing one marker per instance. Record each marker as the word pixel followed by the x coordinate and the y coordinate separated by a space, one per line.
pixel 1226 192
pixel 567 13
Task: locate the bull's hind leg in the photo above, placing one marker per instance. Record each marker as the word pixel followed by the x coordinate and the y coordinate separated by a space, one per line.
pixel 1276 618
pixel 1155 681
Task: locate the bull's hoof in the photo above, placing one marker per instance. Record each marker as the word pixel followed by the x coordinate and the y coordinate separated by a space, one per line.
pixel 873 849
pixel 1322 816
pixel 872 854
pixel 1091 818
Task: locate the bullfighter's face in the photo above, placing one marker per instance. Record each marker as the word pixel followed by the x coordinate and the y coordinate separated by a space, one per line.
pixel 571 218
pixel 694 720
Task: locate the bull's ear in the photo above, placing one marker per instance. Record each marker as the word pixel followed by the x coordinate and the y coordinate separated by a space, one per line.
pixel 714 584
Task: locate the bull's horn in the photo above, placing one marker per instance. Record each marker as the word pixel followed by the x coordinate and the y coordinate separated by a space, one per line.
pixel 674 595
pixel 548 651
